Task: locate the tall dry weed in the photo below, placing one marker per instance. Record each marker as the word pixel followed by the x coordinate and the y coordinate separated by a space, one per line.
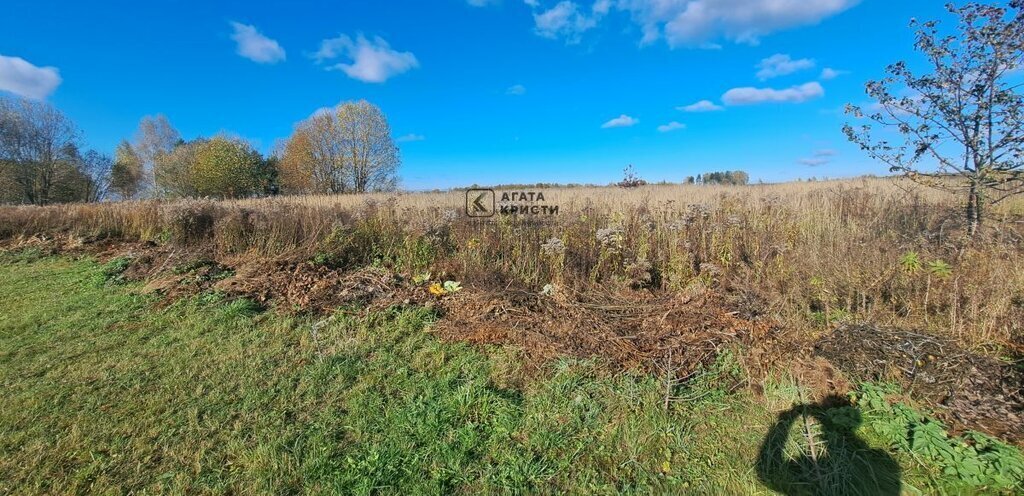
pixel 813 254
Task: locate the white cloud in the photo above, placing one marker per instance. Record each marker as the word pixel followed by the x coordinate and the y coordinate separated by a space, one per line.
pixel 752 96
pixel 516 90
pixel 620 121
pixel 693 22
pixel 701 106
pixel 671 126
pixel 410 138
pixel 821 157
pixel 813 162
pixel 254 46
pixel 20 77
pixel 481 3
pixel 781 64
pixel 373 61
pixel 566 20
pixel 830 73
pixel 323 110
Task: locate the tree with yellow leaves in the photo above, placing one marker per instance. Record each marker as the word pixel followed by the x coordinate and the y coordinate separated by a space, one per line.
pixel 347 149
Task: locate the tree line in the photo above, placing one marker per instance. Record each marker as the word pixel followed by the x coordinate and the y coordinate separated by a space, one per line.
pixel 345 149
pixel 735 178
pixel 42 159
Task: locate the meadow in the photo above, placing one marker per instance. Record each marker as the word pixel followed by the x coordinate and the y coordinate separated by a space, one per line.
pixel 389 343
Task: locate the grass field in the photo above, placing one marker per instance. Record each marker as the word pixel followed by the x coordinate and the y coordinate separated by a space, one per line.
pixel 108 393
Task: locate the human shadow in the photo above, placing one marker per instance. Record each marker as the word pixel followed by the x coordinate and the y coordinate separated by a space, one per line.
pixel 829 457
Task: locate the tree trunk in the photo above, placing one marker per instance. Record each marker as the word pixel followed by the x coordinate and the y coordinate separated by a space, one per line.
pixel 974 209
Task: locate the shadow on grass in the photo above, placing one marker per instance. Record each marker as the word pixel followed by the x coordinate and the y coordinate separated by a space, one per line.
pixel 825 455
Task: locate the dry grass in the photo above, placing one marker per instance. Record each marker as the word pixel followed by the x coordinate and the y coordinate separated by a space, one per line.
pixel 808 254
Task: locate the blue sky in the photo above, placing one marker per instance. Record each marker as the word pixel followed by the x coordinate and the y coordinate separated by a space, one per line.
pixel 482 91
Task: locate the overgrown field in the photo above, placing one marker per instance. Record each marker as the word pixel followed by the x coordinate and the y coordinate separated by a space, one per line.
pixel 106 392
pixel 812 254
pixel 657 304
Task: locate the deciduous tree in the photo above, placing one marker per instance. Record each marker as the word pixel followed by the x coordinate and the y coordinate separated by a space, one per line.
pixel 348 149
pixel 226 168
pixel 172 171
pixel 154 139
pixel 960 126
pixel 95 169
pixel 127 172
pixel 37 144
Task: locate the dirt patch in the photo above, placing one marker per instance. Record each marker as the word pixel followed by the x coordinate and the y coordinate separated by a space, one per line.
pixel 631 330
pixel 969 390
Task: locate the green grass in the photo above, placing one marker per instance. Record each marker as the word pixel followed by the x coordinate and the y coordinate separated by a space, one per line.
pixel 105 393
